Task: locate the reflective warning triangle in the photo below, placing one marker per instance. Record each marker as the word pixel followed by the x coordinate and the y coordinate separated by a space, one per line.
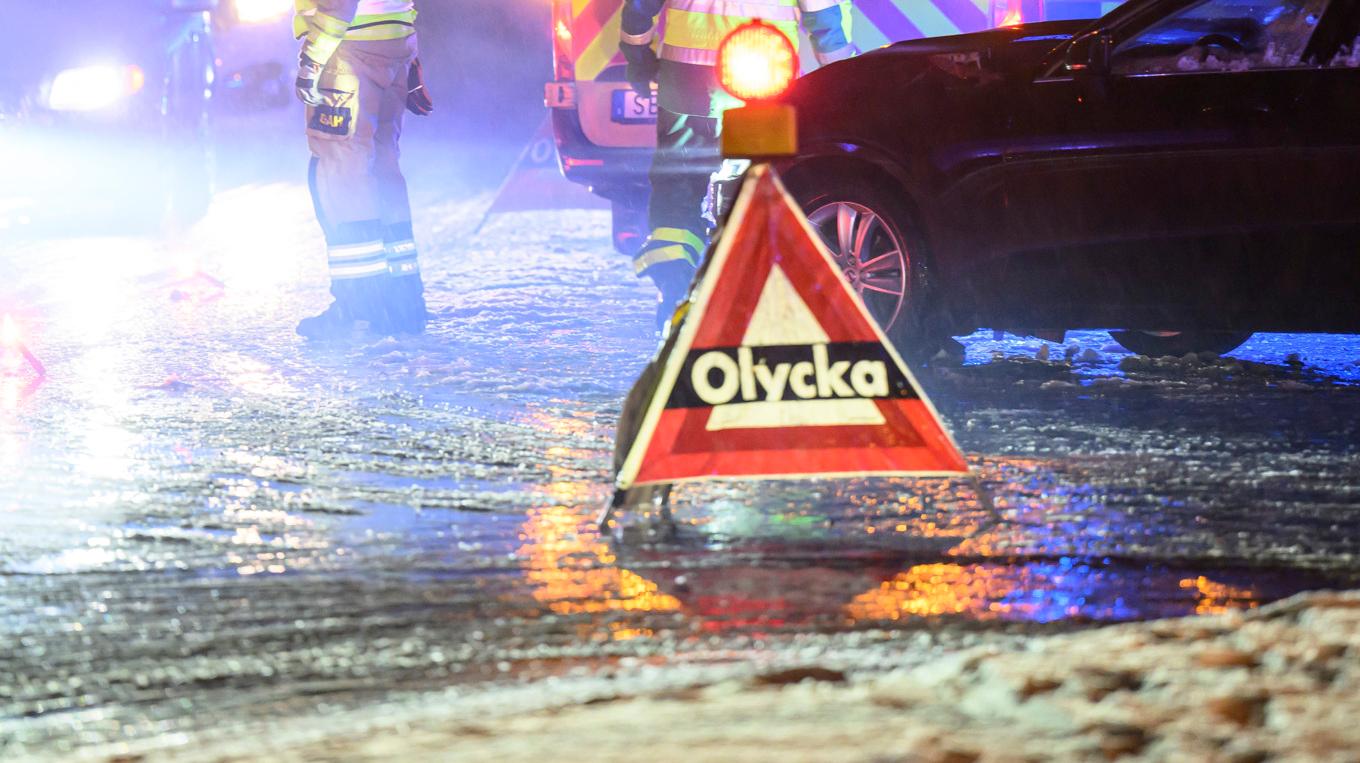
pixel 777 370
pixel 535 182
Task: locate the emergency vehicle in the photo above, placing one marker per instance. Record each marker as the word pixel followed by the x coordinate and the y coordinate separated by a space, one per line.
pixel 605 131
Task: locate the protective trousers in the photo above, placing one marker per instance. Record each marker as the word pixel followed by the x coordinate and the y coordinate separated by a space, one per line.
pixel 357 186
pixel 687 155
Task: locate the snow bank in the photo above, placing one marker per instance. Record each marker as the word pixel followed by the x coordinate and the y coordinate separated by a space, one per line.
pixel 1281 682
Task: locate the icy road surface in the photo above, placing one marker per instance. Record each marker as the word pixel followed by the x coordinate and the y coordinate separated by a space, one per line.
pixel 206 523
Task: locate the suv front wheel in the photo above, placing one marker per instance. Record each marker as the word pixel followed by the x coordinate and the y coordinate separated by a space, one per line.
pixel 875 242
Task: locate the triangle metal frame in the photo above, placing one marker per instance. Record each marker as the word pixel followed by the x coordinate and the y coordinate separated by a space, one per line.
pixel 672 357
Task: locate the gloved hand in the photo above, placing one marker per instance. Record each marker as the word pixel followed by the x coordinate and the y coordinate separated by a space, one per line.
pixel 642 66
pixel 309 72
pixel 418 99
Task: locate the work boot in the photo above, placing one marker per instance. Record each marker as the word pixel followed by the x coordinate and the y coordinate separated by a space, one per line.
pixel 335 322
pixel 406 304
pixel 359 304
pixel 672 281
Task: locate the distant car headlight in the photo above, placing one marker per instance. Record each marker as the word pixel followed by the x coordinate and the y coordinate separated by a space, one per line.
pixel 261 11
pixel 91 88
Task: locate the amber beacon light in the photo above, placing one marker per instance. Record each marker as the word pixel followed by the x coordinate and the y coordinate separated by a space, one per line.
pixel 757 63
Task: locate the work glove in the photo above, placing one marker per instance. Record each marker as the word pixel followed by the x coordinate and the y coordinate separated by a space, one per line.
pixel 418 99
pixel 642 66
pixel 309 72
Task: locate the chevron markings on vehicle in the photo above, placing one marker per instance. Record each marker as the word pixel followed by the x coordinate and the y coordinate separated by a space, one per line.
pixel 874 23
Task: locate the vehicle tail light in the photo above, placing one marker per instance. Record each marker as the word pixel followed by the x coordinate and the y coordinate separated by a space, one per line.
pixel 757 62
pixel 1015 12
pixel 564 44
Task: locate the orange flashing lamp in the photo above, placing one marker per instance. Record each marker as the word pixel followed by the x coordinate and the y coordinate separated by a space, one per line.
pixel 757 63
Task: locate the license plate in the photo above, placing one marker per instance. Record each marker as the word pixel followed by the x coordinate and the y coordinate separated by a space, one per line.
pixel 631 107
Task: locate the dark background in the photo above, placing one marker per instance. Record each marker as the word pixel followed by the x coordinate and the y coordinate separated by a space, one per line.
pixel 486 62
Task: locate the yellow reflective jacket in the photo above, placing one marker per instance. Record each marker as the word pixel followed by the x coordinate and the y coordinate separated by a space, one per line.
pixel 326 23
pixel 696 28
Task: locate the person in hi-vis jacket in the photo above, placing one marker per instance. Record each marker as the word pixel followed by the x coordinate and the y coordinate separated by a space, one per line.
pixel 357 74
pixel 689 106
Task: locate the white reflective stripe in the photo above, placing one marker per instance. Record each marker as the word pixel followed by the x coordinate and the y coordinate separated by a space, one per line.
pixel 359 270
pixel 638 39
pixel 404 268
pixel 689 55
pixel 813 6
pixel 356 251
pixel 840 54
pixel 770 10
pixel 402 247
pixel 381 7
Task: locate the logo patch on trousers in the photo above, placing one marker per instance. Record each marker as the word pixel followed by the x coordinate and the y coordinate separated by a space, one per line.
pixel 332 120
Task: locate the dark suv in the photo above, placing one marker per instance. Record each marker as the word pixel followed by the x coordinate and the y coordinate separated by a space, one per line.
pixel 1184 170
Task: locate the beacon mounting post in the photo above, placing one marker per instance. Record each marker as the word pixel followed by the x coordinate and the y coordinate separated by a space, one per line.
pixel 756 64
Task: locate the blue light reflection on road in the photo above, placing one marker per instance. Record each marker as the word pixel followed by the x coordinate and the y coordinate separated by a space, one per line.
pixel 1335 357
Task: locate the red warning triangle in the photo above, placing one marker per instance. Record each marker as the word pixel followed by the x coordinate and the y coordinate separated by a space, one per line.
pixel 778 371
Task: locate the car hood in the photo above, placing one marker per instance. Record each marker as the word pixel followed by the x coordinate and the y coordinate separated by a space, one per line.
pixel 979 56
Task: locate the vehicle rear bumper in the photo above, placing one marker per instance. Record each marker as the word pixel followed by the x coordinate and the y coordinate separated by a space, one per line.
pixel 617 174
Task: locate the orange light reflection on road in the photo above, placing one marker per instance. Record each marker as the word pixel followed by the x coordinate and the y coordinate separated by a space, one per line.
pixel 932 590
pixel 572 569
pixel 1218 598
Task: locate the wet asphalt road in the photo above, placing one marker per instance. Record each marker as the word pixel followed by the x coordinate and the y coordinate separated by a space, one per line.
pixel 205 523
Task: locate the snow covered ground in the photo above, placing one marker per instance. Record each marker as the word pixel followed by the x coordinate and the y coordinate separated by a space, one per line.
pixel 213 533
pixel 1278 683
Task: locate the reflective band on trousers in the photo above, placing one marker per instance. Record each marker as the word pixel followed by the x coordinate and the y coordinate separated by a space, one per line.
pixel 697 31
pixel 359 270
pixel 657 256
pixel 677 236
pixel 669 245
pixel 402 258
pixel 357 260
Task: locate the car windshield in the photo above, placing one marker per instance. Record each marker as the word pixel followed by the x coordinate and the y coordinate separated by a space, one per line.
pixel 1224 34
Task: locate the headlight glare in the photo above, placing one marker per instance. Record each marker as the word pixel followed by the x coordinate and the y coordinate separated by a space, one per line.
pixel 261 11
pixel 91 88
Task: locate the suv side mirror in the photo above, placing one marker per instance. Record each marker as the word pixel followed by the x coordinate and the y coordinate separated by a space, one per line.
pixel 1089 55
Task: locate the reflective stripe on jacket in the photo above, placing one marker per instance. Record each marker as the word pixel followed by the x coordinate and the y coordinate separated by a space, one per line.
pixel 696 28
pixel 327 23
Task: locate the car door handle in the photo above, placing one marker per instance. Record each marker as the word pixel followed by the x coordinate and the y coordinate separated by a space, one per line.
pixel 1254 108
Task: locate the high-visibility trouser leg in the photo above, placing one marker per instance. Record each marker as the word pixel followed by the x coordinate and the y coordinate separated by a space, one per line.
pixel 686 157
pixel 342 134
pixel 393 200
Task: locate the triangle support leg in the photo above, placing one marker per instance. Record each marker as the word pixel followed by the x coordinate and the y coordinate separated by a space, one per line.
pixel 616 502
pixel 657 495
